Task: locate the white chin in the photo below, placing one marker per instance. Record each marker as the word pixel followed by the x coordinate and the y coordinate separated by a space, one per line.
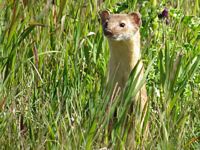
pixel 120 38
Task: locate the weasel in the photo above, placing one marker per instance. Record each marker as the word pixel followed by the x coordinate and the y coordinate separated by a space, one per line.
pixel 122 32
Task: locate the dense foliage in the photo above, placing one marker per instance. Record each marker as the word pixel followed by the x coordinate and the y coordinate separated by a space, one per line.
pixel 53 63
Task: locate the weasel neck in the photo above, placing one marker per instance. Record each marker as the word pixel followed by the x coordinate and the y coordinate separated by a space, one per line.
pixel 124 55
pixel 126 52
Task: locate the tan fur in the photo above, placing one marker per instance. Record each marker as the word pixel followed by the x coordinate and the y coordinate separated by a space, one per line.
pixel 122 32
pixel 124 44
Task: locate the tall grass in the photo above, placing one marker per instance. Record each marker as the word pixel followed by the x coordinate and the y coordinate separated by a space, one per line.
pixel 53 62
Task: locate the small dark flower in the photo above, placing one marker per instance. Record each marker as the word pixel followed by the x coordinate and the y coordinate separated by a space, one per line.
pixel 164 14
pixel 160 16
pixel 167 21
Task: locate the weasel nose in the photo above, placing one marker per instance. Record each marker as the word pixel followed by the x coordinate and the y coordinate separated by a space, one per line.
pixel 108 33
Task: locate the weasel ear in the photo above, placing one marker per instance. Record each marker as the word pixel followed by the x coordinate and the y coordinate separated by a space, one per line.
pixel 136 18
pixel 104 15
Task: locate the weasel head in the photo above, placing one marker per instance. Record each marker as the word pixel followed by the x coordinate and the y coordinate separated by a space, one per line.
pixel 120 27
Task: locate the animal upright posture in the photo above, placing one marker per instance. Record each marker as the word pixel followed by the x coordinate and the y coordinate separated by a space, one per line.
pixel 122 32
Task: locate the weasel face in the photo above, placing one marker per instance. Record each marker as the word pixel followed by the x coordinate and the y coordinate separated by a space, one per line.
pixel 120 27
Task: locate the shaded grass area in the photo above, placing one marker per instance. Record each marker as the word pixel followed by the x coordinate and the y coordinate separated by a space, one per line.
pixel 53 62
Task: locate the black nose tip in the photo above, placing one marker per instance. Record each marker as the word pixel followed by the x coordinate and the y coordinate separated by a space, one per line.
pixel 108 32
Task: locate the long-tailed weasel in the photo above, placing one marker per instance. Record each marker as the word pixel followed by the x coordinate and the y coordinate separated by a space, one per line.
pixel 122 32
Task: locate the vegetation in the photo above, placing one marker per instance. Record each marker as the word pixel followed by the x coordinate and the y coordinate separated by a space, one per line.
pixel 53 63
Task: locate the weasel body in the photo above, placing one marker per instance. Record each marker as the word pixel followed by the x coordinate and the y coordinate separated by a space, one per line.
pixel 122 32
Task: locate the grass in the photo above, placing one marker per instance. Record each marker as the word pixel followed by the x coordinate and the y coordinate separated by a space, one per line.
pixel 53 62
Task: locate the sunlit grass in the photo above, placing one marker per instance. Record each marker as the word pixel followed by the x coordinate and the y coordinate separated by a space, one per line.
pixel 53 62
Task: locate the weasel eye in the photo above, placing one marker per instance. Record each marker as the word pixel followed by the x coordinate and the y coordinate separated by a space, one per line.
pixel 122 25
pixel 105 24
